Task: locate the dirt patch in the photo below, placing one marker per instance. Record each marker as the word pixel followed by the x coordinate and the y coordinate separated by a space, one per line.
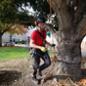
pixel 8 77
pixel 18 73
pixel 12 72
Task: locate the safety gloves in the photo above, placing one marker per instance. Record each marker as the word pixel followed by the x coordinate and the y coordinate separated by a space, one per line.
pixel 43 49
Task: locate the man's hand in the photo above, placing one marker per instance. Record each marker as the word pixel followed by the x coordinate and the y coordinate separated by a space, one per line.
pixel 43 49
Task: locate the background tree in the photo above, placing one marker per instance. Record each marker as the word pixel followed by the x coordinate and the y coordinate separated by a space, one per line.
pixel 10 15
pixel 6 16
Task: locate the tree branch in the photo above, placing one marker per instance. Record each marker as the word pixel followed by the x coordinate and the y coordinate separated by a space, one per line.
pixel 82 27
pixel 7 28
pixel 61 9
pixel 78 11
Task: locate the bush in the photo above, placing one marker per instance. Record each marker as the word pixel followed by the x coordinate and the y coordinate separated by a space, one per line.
pixel 20 42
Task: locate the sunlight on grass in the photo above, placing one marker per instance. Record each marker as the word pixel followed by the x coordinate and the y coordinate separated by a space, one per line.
pixel 8 53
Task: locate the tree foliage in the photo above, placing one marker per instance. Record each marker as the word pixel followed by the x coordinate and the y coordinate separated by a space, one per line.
pixel 10 15
pixel 40 5
pixel 7 11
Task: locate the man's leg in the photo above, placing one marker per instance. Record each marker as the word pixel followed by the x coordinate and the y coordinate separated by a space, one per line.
pixel 47 62
pixel 35 66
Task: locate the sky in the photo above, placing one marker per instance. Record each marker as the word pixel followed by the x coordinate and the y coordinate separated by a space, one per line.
pixel 27 8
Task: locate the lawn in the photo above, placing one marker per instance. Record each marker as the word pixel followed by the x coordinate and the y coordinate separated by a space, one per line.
pixel 8 53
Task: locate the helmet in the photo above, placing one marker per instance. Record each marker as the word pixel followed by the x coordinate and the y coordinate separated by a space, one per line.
pixel 41 18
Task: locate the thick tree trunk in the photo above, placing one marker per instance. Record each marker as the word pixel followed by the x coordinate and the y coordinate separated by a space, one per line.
pixel 68 50
pixel 69 57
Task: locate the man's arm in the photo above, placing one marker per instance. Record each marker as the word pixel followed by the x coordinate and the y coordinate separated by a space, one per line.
pixel 34 45
pixel 48 43
pixel 43 49
pixel 52 45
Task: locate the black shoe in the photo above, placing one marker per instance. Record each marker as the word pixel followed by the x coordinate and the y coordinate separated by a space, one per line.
pixel 39 76
pixel 40 73
pixel 34 78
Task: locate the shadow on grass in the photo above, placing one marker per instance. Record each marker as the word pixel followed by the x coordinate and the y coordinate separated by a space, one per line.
pixel 9 76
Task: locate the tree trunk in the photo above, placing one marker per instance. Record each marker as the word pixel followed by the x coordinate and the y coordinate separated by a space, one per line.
pixel 10 39
pixel 69 56
pixel 68 50
pixel 0 40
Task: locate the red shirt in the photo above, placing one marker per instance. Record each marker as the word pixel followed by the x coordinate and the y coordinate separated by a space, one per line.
pixel 37 39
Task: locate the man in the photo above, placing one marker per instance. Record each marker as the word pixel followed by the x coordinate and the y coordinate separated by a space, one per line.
pixel 38 42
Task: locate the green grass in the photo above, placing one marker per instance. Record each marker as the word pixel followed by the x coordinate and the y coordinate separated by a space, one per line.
pixel 8 53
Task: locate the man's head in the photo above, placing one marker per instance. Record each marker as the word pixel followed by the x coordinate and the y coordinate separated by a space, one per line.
pixel 40 21
pixel 40 24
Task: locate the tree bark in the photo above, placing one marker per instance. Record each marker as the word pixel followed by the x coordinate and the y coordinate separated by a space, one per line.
pixel 69 57
pixel 68 50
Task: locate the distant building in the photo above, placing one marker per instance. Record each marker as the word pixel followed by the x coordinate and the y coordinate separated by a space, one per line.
pixel 8 39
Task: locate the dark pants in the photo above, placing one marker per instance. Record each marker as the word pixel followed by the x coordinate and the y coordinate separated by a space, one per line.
pixel 37 56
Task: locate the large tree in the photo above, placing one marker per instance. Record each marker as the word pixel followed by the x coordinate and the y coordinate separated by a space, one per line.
pixel 6 16
pixel 72 21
